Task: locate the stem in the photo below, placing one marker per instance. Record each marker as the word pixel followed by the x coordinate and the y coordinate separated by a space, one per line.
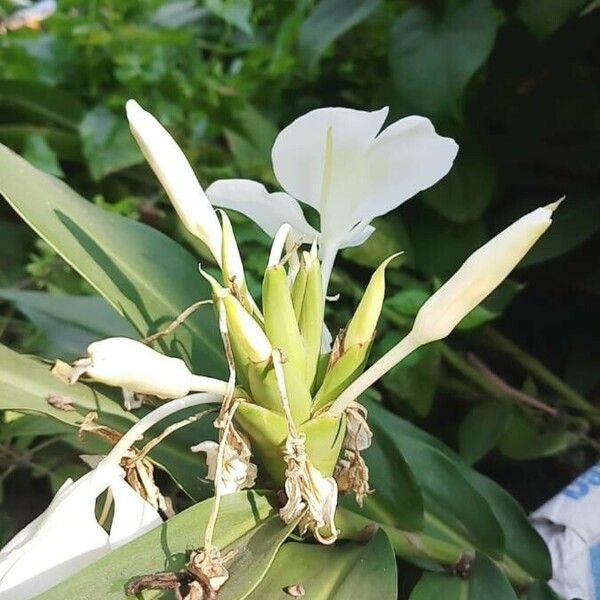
pixel 328 253
pixel 509 390
pixel 152 418
pixel 534 366
pixel 388 361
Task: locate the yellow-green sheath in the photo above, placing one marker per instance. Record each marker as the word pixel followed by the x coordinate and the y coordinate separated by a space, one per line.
pixel 281 326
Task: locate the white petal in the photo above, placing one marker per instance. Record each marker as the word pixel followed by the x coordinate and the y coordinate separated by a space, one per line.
pixel 176 175
pixel 407 157
pixel 268 211
pixel 133 516
pixel 212 449
pixel 320 160
pixel 65 538
pixel 357 236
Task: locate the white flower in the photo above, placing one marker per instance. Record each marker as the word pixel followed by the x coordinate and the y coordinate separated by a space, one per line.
pixel 335 160
pixel 237 473
pixel 66 536
pixel 177 177
pixel 132 365
pixel 478 277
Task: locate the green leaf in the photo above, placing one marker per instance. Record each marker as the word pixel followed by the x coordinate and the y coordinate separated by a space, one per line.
pixel 234 12
pixel 338 572
pixel 26 384
pixel 329 20
pixel 468 189
pixel 523 441
pixel 415 379
pixel 452 504
pixel 398 499
pixel 246 523
pixel 70 323
pixel 555 13
pixel 41 155
pixel 146 277
pixel 50 103
pixel 108 145
pixel 540 590
pixel 481 429
pixel 434 56
pixel 484 582
pixel 523 545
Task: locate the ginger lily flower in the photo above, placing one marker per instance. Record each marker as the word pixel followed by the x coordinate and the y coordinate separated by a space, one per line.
pixel 67 536
pixel 137 368
pixel 476 279
pixel 177 177
pixel 337 161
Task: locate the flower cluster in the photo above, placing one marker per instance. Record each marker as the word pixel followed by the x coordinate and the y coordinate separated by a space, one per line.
pixel 289 411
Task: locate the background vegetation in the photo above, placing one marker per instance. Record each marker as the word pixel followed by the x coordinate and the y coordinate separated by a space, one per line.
pixel 515 82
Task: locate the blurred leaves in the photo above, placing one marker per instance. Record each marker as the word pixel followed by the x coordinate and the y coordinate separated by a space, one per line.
pixel 329 20
pixel 107 142
pixel 435 52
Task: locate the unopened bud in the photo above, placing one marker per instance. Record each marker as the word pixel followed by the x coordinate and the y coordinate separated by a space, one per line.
pixel 312 313
pixel 479 276
pixel 231 265
pixel 361 328
pixel 281 326
pixel 129 364
pixel 246 334
pixel 176 176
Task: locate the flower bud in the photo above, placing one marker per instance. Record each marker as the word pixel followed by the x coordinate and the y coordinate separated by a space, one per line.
pixel 129 364
pixel 312 313
pixel 281 326
pixel 231 263
pixel 479 276
pixel 361 328
pixel 176 176
pixel 245 333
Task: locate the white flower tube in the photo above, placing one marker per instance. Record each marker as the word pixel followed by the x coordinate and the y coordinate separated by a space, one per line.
pixel 478 277
pixel 138 368
pixel 67 536
pixel 177 177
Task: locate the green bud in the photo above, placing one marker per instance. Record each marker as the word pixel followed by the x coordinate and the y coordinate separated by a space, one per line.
pixel 244 331
pixel 340 374
pixel 298 289
pixel 362 326
pixel 265 391
pixel 281 326
pixel 324 437
pixel 312 313
pixel 267 431
pixel 231 263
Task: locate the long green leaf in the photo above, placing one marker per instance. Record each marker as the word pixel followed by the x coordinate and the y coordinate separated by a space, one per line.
pixel 343 571
pixel 146 276
pixel 483 581
pixel 70 323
